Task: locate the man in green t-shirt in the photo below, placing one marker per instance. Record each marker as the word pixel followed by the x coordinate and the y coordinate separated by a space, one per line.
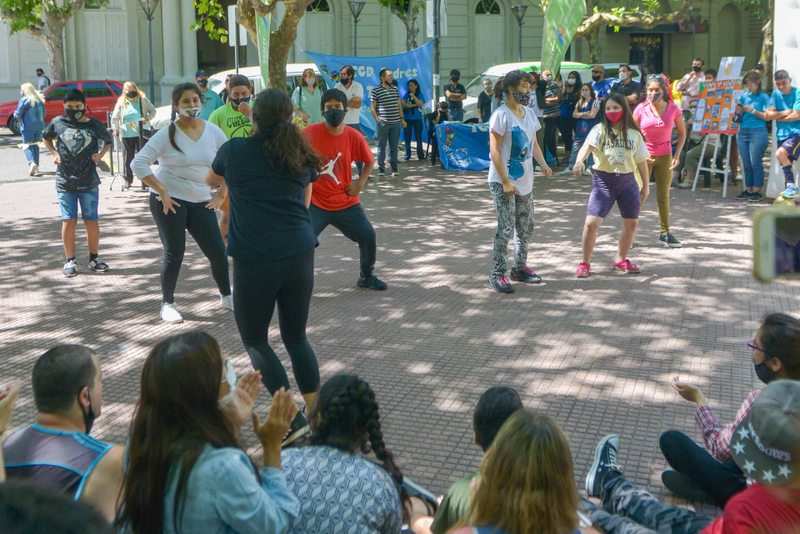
pixel 235 117
pixel 494 407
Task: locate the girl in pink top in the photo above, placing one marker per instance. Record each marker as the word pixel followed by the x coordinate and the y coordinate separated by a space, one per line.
pixel 656 117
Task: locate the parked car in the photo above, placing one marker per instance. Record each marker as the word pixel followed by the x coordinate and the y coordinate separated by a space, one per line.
pixel 216 83
pixel 496 72
pixel 101 95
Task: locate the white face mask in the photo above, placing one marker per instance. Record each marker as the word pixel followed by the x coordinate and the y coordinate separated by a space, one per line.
pixel 190 113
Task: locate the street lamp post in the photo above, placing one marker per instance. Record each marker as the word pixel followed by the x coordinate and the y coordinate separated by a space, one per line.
pixel 149 7
pixel 519 14
pixel 356 6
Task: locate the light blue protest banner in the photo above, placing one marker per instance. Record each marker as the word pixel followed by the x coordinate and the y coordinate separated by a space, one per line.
pixel 463 147
pixel 415 64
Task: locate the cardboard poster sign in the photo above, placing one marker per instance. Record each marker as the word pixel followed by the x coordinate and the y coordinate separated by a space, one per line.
pixel 716 108
pixel 730 68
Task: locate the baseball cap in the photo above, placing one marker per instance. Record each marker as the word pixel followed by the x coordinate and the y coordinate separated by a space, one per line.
pixel 766 444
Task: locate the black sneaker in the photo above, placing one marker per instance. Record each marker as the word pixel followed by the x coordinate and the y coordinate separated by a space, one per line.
pixel 605 462
pixel 98 266
pixel 381 172
pixel 744 195
pixel 298 430
pixel 526 276
pixel 755 197
pixel 669 240
pixel 682 486
pixel 371 282
pixel 500 284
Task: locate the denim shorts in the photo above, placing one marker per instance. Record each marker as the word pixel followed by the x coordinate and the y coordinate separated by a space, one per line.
pixel 68 204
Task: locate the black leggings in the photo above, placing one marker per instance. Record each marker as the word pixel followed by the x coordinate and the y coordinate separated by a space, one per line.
pixel 355 226
pixel 201 223
pixel 550 133
pixel 257 286
pixel 131 145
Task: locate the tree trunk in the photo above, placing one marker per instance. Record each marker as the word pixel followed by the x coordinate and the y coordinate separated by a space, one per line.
pixel 410 22
pixel 280 43
pixel 593 43
pixel 767 57
pixel 52 36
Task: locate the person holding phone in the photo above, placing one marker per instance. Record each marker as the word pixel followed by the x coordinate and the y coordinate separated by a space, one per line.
pixel 619 149
pixel 180 199
pixel 512 148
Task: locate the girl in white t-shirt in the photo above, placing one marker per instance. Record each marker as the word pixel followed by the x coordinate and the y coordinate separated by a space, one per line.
pixel 618 149
pixel 512 146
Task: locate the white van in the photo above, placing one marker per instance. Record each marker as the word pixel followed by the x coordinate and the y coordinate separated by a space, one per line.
pixel 216 82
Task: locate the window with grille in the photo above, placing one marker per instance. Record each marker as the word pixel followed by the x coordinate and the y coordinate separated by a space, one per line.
pixel 319 6
pixel 487 7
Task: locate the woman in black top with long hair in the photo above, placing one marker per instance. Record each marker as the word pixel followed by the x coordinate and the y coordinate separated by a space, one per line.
pixel 268 177
pixel 569 97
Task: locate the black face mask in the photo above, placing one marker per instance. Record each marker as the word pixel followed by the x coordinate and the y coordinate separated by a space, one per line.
pixel 202 83
pixel 596 77
pixel 132 94
pixel 88 415
pixel 236 101
pixel 764 373
pixel 344 80
pixel 697 69
pixel 523 98
pixel 74 114
pixel 334 117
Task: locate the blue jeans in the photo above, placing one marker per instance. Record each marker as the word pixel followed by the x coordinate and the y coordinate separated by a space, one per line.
pixel 359 164
pixel 31 152
pixel 390 133
pixel 456 115
pixel 573 155
pixel 752 144
pixel 414 126
pixel 68 204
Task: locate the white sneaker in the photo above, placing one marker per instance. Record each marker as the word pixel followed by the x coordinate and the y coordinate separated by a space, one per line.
pixel 169 313
pixel 34 169
pixel 226 301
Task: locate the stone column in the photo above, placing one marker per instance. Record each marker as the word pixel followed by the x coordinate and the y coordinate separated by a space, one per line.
pixel 172 32
pixel 188 40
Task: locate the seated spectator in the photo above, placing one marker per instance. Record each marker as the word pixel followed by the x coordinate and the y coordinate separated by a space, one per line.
pixel 710 474
pixel 8 397
pixel 526 485
pixel 26 508
pixel 494 408
pixel 186 470
pixel 339 489
pixel 56 452
pixel 767 448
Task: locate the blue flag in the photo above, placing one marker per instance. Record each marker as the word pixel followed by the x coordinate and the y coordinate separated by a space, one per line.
pixel 415 64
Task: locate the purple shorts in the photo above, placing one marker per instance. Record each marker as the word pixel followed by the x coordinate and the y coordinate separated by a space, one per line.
pixel 608 188
pixel 792 147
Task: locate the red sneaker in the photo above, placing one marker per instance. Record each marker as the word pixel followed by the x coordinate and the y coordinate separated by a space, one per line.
pixel 584 270
pixel 627 266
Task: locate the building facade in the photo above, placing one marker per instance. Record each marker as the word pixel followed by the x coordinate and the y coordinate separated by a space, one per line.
pixel 112 42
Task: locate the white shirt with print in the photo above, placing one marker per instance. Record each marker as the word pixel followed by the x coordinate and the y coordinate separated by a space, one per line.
pixel 517 146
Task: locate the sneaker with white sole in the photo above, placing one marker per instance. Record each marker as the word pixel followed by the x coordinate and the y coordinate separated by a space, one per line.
pixel 98 266
pixel 70 268
pixel 226 301
pixel 605 462
pixel 170 314
pixel 33 170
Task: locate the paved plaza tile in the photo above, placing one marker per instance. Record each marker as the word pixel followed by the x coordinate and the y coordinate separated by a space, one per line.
pixel 597 354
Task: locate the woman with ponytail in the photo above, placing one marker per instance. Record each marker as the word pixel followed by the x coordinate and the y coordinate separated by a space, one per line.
pixel 339 489
pixel 268 181
pixel 180 197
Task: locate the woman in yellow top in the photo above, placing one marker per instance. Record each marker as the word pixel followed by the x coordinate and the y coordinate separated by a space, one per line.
pixel 132 112
pixel 618 149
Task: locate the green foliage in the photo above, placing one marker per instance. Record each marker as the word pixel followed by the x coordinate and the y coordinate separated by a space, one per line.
pixel 27 15
pixel 403 8
pixel 759 9
pixel 211 18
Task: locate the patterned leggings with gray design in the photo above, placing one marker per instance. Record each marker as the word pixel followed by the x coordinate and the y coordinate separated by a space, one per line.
pixel 514 219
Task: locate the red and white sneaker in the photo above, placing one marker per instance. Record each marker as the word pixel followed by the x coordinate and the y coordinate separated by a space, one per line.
pixel 627 266
pixel 584 270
